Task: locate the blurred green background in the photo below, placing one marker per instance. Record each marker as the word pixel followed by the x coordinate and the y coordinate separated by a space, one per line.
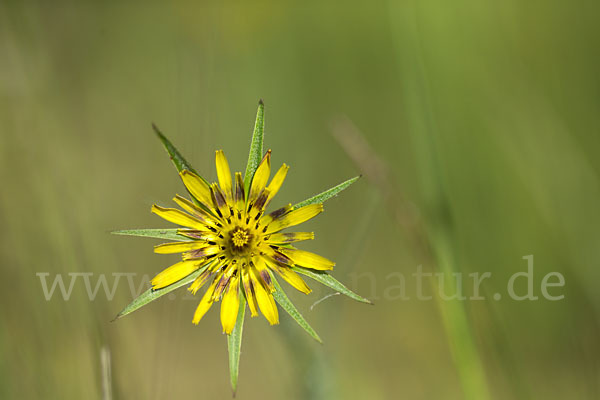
pixel 482 119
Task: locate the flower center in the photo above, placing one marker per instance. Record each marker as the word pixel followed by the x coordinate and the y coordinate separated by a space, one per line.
pixel 240 237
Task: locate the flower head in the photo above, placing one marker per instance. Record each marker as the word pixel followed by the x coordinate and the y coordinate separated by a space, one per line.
pixel 236 244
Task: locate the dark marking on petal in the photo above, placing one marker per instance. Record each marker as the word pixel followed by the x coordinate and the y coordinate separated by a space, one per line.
pixel 193 233
pixel 264 274
pixel 282 258
pixel 239 187
pixel 279 212
pixel 262 198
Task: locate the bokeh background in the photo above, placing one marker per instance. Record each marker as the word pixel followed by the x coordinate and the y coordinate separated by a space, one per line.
pixel 476 126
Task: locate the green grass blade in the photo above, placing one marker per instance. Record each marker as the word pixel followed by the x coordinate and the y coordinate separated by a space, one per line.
pixel 234 345
pixel 326 195
pixel 166 234
pixel 331 282
pixel 288 306
pixel 151 295
pixel 256 146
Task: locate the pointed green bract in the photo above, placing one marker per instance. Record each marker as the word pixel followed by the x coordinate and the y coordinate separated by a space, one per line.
pixel 256 146
pixel 178 160
pixel 151 295
pixel 326 195
pixel 330 281
pixel 282 299
pixel 166 234
pixel 234 344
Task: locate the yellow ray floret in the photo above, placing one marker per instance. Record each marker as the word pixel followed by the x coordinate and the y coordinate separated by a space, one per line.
pixel 230 304
pixel 277 181
pixel 247 283
pixel 294 217
pixel 178 247
pixel 206 301
pixel 291 237
pixel 197 187
pixel 261 176
pixel 291 277
pixel 307 259
pixel 195 211
pixel 174 273
pixel 224 175
pixel 178 217
pixel 264 299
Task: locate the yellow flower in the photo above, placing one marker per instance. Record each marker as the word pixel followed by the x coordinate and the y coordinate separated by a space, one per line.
pixel 238 246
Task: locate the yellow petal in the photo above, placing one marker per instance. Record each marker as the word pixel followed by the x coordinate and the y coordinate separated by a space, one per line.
pixel 206 236
pixel 206 301
pixel 263 272
pixel 258 207
pixel 264 299
pixel 178 247
pixel 178 217
pixel 295 217
pixel 230 305
pixel 290 237
pixel 307 259
pixel 201 252
pixel 222 284
pixel 291 277
pixel 194 210
pixel 220 202
pixel 174 273
pixel 224 175
pixel 249 293
pixel 197 187
pixel 267 219
pixel 261 176
pixel 240 199
pixel 200 280
pixel 277 181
